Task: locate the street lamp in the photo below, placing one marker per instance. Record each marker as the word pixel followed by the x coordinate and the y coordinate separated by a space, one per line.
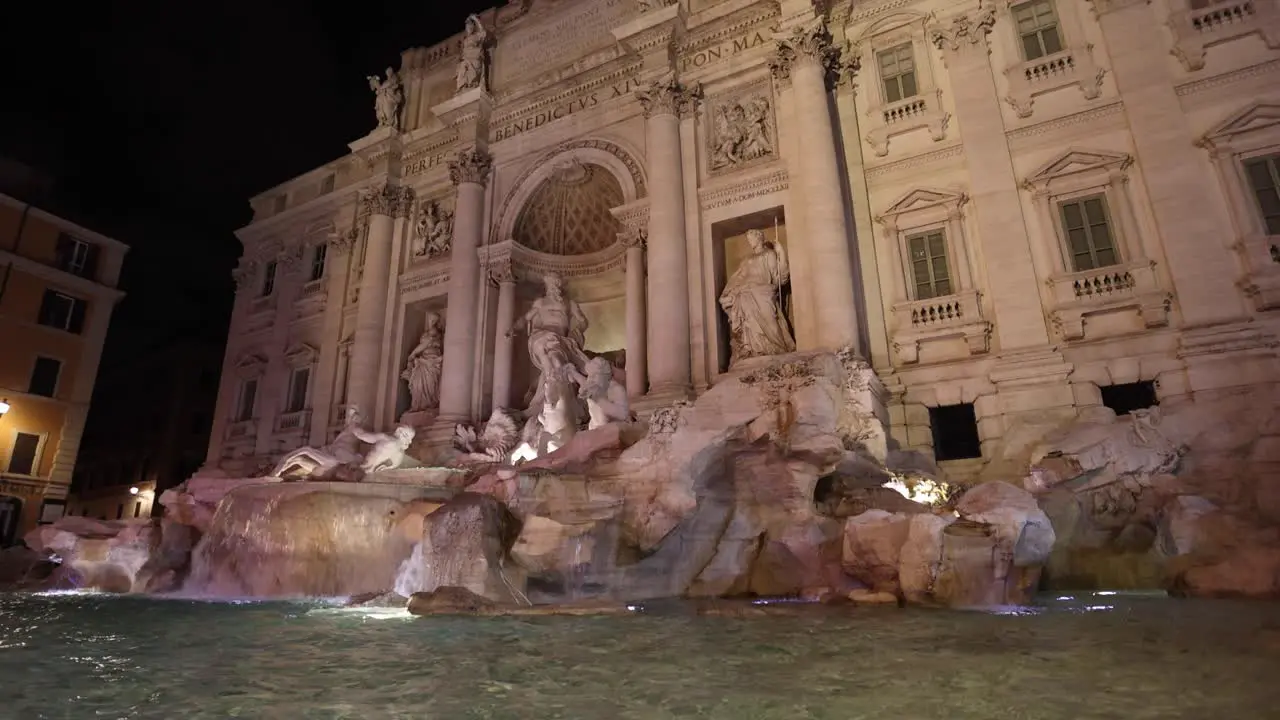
pixel 133 490
pixel 4 407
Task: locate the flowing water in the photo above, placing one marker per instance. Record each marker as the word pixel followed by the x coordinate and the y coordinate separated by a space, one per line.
pixel 1071 658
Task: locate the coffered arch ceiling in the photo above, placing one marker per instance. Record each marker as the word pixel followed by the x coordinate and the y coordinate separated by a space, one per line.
pixel 568 214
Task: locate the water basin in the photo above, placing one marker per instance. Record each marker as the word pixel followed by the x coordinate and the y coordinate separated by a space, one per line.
pixel 1070 657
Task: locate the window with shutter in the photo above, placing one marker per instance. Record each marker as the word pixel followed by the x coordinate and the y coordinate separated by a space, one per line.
pixel 1264 180
pixel 1087 230
pixel 298 390
pixel 930 275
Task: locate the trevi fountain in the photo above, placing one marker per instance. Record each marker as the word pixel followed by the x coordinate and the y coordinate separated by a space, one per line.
pixel 762 550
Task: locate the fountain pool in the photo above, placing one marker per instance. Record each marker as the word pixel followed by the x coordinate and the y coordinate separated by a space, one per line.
pixel 1069 658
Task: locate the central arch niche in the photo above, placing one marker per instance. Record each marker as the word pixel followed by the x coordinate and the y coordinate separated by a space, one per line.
pixel 569 212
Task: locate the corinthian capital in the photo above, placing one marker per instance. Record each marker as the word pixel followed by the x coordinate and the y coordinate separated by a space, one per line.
pixel 808 43
pixel 341 243
pixel 965 31
pixel 470 166
pixel 387 199
pixel 666 96
pixel 633 236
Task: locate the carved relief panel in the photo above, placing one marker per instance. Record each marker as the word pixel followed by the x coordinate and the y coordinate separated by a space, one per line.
pixel 741 128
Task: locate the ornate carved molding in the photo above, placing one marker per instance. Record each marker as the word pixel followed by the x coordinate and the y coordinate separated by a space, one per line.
pixel 1102 7
pixel 341 243
pixel 290 258
pixel 634 237
pixel 500 271
pixel 525 262
pixel 471 165
pixel 390 200
pixel 809 42
pixel 965 32
pixel 666 96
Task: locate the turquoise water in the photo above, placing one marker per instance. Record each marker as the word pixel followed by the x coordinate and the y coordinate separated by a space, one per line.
pixel 1076 658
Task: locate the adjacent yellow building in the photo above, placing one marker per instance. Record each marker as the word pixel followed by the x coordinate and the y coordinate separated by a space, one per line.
pixel 57 291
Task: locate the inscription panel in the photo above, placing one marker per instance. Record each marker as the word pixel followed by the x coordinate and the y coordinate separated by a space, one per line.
pixel 578 29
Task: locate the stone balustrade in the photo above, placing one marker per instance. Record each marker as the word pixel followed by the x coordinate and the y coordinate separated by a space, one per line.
pixel 1072 66
pixel 1131 286
pixel 918 322
pixel 1194 31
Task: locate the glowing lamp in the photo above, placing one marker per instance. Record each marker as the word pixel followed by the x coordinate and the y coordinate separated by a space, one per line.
pixel 133 490
pixel 4 407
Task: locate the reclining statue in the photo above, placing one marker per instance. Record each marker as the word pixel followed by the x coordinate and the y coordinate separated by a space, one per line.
pixel 318 463
pixel 388 451
pixel 606 397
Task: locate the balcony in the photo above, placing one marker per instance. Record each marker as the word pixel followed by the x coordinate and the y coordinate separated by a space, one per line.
pixel 297 421
pixel 1195 31
pixel 1073 66
pixel 1128 288
pixel 953 317
pixel 901 117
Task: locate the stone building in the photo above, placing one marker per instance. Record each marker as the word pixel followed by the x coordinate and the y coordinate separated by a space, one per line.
pixel 58 288
pixel 1012 209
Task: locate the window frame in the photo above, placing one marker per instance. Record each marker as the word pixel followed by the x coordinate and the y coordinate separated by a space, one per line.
pixel 1069 254
pixel 37 453
pixel 292 403
pixel 70 324
pixel 1272 163
pixel 243 413
pixel 896 52
pixel 270 273
pixel 1039 30
pixel 925 234
pixel 319 262
pixel 57 378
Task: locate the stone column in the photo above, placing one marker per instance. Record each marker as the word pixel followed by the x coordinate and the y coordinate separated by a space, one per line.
pixel 503 343
pixel 805 58
pixel 469 172
pixel 637 379
pixel 384 205
pixel 663 101
pixel 1189 220
pixel 1002 228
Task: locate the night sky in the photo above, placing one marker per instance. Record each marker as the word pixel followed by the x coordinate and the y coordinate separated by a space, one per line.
pixel 160 119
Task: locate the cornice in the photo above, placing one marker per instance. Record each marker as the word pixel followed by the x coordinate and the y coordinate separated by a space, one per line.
pixel 1079 118
pixel 729 26
pixel 69 227
pixel 625 68
pixel 772 179
pixel 909 163
pixel 310 211
pixel 1227 78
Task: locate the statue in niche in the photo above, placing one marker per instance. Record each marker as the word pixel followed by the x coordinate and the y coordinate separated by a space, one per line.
pixel 742 133
pixel 422 369
pixel 388 451
pixel 434 235
pixel 606 398
pixel 473 66
pixel 556 327
pixel 388 97
pixel 753 301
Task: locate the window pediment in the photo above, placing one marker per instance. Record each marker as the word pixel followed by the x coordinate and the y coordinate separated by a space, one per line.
pixel 1076 162
pixel 922 200
pixel 251 363
pixel 301 355
pixel 1255 118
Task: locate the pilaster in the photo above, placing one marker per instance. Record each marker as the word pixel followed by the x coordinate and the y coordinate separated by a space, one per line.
pixel 1020 319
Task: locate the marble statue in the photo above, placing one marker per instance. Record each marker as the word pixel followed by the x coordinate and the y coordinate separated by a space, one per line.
pixel 741 133
pixel 388 451
pixel 434 236
pixel 554 422
pixel 473 66
pixel 606 397
pixel 493 444
pixel 556 327
pixel 422 369
pixel 317 463
pixel 388 99
pixel 753 301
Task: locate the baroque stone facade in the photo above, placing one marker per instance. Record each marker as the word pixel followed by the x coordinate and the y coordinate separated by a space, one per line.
pixel 1011 210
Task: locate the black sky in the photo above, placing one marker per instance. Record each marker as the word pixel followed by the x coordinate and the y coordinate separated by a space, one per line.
pixel 160 119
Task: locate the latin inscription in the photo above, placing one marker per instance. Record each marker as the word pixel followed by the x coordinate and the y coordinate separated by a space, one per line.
pixel 557 112
pixel 570 35
pixel 423 164
pixel 723 51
